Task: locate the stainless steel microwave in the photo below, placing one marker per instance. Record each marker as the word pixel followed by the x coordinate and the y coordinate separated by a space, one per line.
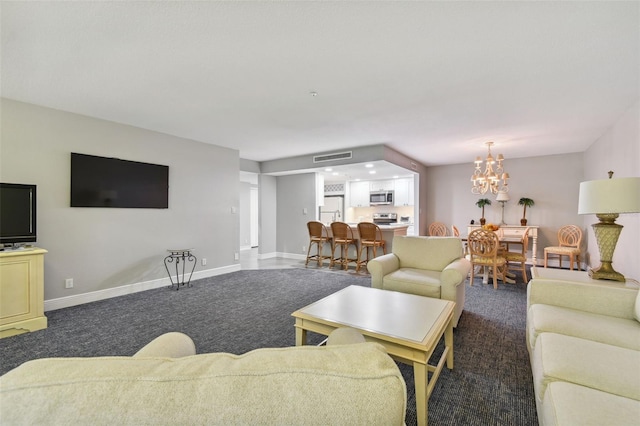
pixel 380 198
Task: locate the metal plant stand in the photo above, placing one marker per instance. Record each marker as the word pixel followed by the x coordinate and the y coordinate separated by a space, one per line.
pixel 180 259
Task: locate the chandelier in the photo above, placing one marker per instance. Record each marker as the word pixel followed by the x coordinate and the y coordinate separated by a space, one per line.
pixel 494 180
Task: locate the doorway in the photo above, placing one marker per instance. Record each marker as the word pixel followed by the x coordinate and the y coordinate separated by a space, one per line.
pixel 253 216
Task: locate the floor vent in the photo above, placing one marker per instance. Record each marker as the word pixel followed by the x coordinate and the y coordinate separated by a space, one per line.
pixel 332 157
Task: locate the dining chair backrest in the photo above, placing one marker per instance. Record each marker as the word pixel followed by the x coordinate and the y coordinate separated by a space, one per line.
pixel 483 243
pixel 570 236
pixel 369 231
pixel 438 229
pixel 341 231
pixel 455 231
pixel 317 229
pixel 525 241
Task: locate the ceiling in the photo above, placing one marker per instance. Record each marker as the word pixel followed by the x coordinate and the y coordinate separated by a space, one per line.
pixel 432 80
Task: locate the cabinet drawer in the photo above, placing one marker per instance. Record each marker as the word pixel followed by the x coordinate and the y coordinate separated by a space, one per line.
pixel 513 232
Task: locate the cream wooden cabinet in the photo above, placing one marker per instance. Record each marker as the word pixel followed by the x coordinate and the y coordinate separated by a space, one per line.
pixel 381 185
pixel 22 292
pixel 359 194
pixel 403 195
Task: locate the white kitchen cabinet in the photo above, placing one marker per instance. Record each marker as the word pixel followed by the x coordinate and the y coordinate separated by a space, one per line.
pixel 403 192
pixel 359 194
pixel 382 185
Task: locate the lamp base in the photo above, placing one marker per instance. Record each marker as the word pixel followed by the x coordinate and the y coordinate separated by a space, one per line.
pixel 607 233
pixel 606 272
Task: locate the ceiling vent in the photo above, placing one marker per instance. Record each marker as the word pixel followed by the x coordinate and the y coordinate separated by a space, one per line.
pixel 332 157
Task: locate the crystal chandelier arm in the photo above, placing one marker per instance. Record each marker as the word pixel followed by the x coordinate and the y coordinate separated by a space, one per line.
pixel 489 180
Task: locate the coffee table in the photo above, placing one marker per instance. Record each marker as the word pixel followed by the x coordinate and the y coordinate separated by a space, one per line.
pixel 408 326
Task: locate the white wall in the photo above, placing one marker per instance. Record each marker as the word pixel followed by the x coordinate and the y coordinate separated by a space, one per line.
pixel 102 248
pixel 268 195
pixel 295 194
pixel 618 150
pixel 551 181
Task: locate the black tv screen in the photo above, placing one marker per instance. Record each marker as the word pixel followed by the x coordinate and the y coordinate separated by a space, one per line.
pixel 17 213
pixel 112 182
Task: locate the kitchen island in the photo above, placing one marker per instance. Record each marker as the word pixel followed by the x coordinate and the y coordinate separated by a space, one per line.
pixel 388 232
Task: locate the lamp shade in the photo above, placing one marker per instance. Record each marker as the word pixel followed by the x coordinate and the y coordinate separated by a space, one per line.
pixel 606 196
pixel 502 196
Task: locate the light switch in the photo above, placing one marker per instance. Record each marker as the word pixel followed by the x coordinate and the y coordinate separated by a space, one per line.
pixel 234 210
pixel 305 211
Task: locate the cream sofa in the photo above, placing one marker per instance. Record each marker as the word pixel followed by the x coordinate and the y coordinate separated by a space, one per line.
pixel 167 384
pixel 584 345
pixel 426 266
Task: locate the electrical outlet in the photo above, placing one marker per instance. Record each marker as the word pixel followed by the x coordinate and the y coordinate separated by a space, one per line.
pixel 236 256
pixel 304 249
pixel 68 283
pixel 204 261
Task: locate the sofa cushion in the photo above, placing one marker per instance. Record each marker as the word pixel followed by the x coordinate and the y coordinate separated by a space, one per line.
pixel 433 253
pixel 600 328
pixel 569 404
pixel 346 384
pixel 414 281
pixel 608 368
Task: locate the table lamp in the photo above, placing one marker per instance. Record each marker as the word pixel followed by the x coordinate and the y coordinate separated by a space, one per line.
pixel 502 198
pixel 607 198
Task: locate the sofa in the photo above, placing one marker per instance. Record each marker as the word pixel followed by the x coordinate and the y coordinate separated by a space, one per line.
pixel 584 345
pixel 426 266
pixel 166 383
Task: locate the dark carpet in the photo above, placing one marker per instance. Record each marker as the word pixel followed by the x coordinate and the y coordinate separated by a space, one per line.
pixel 490 384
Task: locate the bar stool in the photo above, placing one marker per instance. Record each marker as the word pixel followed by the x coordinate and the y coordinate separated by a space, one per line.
pixel 318 235
pixel 343 237
pixel 370 238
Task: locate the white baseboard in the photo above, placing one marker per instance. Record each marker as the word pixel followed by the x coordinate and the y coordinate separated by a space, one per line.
pixel 94 296
pixel 294 256
pixel 263 256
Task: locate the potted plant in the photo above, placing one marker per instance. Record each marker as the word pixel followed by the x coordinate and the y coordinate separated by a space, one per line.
pixel 526 202
pixel 481 203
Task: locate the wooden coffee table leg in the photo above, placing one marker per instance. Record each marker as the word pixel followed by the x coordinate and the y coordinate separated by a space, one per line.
pixel 420 378
pixel 301 336
pixel 448 343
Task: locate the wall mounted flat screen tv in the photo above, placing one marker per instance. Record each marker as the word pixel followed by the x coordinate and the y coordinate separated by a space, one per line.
pixel 112 182
pixel 17 213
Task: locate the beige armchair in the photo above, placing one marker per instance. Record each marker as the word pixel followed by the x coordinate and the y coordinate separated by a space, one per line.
pixel 426 266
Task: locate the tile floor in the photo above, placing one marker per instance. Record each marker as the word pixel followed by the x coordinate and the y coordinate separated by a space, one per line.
pixel 249 260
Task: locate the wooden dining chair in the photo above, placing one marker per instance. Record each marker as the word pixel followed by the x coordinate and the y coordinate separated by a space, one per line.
pixel 370 239
pixel 483 251
pixel 438 229
pixel 343 237
pixel 318 236
pixel 454 231
pixel 517 260
pixel 569 239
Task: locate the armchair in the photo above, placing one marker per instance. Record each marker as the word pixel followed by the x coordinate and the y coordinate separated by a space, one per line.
pixel 426 266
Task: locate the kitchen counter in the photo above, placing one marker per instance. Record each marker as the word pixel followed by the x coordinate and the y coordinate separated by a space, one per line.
pixel 388 232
